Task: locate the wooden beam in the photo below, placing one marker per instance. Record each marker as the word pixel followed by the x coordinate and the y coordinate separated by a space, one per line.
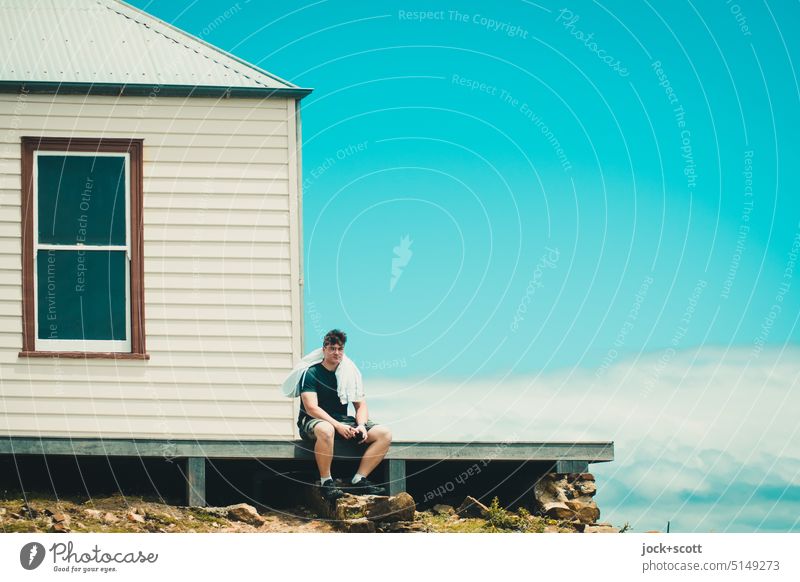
pixel 196 482
pixel 586 452
pixel 571 467
pixel 396 475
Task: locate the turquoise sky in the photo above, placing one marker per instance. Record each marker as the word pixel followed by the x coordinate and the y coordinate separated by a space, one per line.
pixel 501 193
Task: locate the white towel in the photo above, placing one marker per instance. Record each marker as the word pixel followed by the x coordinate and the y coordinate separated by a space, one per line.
pixel 348 378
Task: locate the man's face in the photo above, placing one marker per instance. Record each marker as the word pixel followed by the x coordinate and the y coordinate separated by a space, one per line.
pixel 333 354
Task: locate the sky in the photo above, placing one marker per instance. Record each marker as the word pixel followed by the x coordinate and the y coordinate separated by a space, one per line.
pixel 558 221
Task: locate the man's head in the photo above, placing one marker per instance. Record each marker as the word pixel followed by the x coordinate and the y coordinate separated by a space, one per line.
pixel 333 347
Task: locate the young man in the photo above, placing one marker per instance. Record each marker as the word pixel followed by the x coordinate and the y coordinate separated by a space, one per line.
pixel 323 418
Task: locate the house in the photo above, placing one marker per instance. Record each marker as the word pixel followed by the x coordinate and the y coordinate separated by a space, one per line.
pixel 150 243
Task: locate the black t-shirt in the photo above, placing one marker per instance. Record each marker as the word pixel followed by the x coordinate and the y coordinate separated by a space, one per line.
pixel 322 381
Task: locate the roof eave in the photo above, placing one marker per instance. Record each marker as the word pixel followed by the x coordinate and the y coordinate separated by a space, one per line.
pixel 126 89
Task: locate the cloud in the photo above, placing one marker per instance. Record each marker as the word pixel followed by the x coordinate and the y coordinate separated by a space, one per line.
pixel 705 438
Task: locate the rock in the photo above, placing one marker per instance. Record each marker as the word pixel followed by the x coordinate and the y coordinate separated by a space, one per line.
pixel 471 507
pixel 401 527
pixel 441 509
pixel 360 525
pixel 567 497
pixel 59 527
pixel 598 528
pixel 585 509
pixel 550 489
pixel 245 513
pixel 28 512
pixel 551 529
pixel 400 507
pixel 60 517
pixel 344 508
pixel 135 517
pixel 558 510
pixel 110 518
pixel 93 513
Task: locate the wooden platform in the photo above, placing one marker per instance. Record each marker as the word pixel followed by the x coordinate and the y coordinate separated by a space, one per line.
pixel 567 457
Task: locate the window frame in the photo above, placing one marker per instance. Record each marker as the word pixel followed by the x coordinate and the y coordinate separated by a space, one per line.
pixel 132 150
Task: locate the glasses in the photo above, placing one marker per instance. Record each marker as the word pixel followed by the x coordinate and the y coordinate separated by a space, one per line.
pixel 334 348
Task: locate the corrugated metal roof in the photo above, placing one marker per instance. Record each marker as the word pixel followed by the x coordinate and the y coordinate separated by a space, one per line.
pixel 106 42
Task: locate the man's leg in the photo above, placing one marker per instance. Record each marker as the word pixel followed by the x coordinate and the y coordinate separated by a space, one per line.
pixel 378 440
pixel 323 447
pixel 323 453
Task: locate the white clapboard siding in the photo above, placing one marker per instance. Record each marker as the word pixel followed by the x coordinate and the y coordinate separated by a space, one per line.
pixel 146 407
pixel 173 217
pixel 244 195
pixel 166 140
pixel 12 292
pixel 10 182
pixel 117 425
pixel 93 125
pixel 220 251
pixel 222 293
pixel 218 297
pixel 9 309
pixel 205 313
pixel 209 382
pixel 175 362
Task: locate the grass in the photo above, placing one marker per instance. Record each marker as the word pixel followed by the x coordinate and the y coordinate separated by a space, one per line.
pixel 444 524
pixel 496 520
pixel 499 519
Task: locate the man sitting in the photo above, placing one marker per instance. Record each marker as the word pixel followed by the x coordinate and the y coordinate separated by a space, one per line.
pixel 323 418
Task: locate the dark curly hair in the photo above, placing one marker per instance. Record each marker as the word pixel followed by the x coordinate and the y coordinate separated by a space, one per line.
pixel 335 337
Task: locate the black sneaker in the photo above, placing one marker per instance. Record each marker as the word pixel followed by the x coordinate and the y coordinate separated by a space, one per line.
pixel 366 487
pixel 329 491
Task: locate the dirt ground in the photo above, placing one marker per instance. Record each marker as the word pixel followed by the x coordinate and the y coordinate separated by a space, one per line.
pixel 129 514
pixel 135 514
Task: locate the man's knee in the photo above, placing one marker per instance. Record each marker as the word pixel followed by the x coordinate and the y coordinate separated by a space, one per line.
pixel 324 431
pixel 382 432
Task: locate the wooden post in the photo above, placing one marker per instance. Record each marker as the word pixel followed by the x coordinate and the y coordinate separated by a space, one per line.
pixel 196 481
pixel 571 467
pixel 396 476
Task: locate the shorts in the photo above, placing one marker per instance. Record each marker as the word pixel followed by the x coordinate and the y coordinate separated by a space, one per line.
pixel 306 426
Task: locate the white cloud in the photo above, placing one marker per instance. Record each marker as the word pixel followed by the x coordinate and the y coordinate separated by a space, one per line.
pixel 709 437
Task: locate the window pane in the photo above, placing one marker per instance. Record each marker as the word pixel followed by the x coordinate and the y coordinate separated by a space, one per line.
pixel 81 294
pixel 81 200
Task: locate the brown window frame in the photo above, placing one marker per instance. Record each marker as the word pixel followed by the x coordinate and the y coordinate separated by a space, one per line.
pixel 133 147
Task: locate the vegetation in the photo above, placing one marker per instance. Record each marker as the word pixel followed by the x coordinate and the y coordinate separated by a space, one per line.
pixel 499 519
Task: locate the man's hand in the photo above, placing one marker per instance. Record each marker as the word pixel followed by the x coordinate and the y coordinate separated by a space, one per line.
pixel 361 431
pixel 345 430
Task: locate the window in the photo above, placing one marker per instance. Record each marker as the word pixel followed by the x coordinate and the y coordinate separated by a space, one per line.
pixel 82 267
